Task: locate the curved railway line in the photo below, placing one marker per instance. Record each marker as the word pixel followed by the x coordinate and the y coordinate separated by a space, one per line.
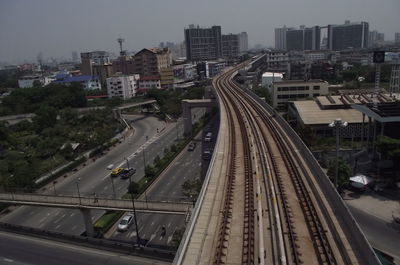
pixel 278 206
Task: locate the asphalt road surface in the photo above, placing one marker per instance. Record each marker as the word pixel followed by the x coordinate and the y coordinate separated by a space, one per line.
pixel 188 165
pixel 24 250
pixel 95 177
pixel 381 234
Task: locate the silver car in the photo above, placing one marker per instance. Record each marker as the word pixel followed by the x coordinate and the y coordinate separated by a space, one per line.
pixel 125 223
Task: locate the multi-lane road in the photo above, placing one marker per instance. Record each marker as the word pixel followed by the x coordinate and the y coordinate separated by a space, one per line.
pixel 188 165
pixel 95 177
pixel 17 249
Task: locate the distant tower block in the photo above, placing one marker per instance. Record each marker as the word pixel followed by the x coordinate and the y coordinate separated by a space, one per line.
pixel 120 41
pixel 395 78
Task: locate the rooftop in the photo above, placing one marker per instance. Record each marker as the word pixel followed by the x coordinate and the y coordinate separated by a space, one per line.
pixel 311 113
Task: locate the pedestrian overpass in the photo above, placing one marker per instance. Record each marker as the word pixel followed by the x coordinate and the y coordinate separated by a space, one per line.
pixel 86 204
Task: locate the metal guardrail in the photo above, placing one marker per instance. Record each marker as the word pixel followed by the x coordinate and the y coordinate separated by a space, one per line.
pixel 93 203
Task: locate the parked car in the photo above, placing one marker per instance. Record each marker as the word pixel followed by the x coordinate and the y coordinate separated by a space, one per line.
pixel 191 146
pixel 127 172
pixel 125 222
pixel 110 166
pixel 116 171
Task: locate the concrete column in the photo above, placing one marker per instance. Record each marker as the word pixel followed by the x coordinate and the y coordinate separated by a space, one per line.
pixel 187 118
pixel 382 128
pixel 87 219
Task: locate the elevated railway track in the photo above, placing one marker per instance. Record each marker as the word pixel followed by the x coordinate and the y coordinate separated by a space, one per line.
pixel 271 210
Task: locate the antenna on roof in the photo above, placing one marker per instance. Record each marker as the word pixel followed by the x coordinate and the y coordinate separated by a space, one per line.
pixel 120 41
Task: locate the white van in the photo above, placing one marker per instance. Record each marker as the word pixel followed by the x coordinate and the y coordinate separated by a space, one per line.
pixel 208 137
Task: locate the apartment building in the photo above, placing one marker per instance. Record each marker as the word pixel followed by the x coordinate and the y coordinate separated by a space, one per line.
pixel 122 86
pixel 203 43
pixel 348 36
pixel 155 62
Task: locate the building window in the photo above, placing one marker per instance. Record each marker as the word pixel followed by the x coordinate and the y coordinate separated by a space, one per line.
pixel 316 87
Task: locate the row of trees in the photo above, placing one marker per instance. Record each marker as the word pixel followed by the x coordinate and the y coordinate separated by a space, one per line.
pixel 31 148
pixel 32 100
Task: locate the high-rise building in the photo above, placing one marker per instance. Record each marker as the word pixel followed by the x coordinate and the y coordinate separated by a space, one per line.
pixel 397 37
pixel 203 43
pixel 230 45
pixel 280 38
pixel 75 58
pixel 375 38
pixel 348 36
pixel 243 42
pixel 303 39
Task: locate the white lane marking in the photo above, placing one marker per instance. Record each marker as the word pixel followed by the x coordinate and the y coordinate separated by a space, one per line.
pixel 63 215
pixel 152 237
pixel 8 260
pixel 43 219
pixel 72 214
pixel 32 212
pixel 58 226
pixel 152 223
pixel 62 245
pixel 73 228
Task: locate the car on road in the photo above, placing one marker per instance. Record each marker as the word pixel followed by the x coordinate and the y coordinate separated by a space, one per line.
pixel 207 154
pixel 191 146
pixel 127 172
pixel 116 171
pixel 208 137
pixel 125 223
pixel 110 166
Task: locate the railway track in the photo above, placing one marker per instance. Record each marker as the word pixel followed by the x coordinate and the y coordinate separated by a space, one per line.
pixel 274 182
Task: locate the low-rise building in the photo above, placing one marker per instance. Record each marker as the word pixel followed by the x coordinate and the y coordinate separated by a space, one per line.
pixel 269 77
pixel 185 71
pixel 88 82
pixel 33 80
pixel 210 69
pixel 284 91
pixel 123 86
pixel 149 82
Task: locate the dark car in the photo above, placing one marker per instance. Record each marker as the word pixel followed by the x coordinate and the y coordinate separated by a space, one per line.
pixel 128 172
pixel 191 146
pixel 207 154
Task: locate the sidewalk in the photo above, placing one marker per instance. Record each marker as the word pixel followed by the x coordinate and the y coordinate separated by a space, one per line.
pixel 374 204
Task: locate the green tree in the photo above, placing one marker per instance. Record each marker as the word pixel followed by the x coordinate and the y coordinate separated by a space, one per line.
pixel 263 92
pixel 46 116
pixel 344 172
pixel 390 149
pixel 191 188
pixel 177 237
pixel 149 171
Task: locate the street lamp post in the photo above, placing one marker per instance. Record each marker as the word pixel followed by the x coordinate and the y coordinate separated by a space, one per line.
pixel 337 124
pixel 134 214
pixel 79 193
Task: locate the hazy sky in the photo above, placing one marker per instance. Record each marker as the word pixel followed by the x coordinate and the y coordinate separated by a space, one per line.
pixel 56 28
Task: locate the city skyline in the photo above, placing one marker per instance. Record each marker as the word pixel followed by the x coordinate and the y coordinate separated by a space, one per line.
pixel 58 29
